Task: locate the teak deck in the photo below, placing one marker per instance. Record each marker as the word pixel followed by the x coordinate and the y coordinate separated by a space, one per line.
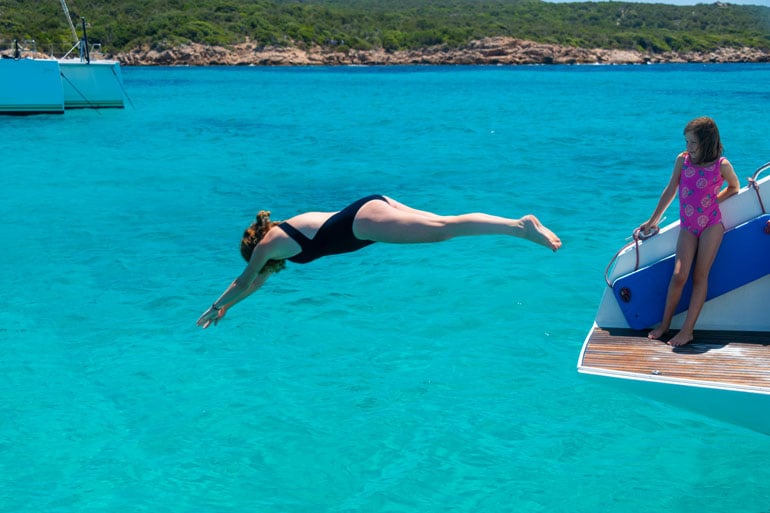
pixel 727 358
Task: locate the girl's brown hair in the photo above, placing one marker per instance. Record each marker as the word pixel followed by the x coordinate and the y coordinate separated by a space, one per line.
pixel 251 237
pixel 705 129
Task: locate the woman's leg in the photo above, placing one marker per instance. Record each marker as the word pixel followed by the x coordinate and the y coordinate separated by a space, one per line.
pixel 405 208
pixel 708 246
pixel 686 245
pixel 396 223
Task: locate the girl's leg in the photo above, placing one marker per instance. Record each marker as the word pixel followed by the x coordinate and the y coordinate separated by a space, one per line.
pixel 396 223
pixel 708 246
pixel 686 245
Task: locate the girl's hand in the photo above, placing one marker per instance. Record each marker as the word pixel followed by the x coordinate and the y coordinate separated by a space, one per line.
pixel 648 228
pixel 212 315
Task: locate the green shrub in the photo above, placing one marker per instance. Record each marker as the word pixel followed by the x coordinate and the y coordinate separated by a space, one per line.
pixel 393 24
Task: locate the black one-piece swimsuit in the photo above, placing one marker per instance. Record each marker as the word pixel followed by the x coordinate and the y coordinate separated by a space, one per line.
pixel 334 237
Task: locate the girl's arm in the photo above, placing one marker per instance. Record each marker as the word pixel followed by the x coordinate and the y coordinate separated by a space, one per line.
pixel 733 185
pixel 666 197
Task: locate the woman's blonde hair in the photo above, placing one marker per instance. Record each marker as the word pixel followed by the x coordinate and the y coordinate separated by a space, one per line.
pixel 255 233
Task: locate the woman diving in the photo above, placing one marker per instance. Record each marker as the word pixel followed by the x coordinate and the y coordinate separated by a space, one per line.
pixel 266 244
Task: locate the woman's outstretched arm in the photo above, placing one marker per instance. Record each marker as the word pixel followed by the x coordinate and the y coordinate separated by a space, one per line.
pixel 235 293
pixel 275 245
pixel 250 280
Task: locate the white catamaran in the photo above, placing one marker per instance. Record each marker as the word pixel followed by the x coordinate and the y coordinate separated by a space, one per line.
pixel 35 85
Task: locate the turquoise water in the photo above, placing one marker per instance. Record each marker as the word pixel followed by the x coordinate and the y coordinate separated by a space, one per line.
pixel 426 378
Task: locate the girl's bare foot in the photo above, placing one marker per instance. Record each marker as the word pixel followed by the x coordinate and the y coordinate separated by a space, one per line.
pixel 539 234
pixel 657 333
pixel 681 338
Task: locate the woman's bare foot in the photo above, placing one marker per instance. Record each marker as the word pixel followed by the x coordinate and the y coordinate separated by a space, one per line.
pixel 680 339
pixel 657 333
pixel 539 234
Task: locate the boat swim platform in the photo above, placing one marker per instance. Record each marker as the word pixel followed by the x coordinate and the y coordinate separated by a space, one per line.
pixel 731 360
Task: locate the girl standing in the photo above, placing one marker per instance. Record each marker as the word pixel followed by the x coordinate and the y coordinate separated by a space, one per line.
pixel 699 174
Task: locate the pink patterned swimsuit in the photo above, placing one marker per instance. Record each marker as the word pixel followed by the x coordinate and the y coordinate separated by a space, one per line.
pixel 698 189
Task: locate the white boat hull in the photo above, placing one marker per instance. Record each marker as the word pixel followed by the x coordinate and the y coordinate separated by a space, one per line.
pixel 42 86
pixel 743 309
pixel 30 86
pixel 748 409
pixel 97 84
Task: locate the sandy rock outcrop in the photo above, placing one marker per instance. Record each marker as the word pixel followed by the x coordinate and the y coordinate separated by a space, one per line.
pixel 495 50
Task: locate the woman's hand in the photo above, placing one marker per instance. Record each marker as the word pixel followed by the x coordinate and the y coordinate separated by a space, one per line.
pixel 212 315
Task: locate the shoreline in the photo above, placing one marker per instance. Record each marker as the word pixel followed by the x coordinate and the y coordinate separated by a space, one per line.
pixel 489 51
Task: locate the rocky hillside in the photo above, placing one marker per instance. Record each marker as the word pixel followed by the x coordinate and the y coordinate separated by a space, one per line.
pixel 494 50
